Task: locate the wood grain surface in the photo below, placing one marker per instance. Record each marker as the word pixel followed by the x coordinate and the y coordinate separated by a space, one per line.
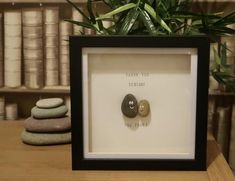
pixel 23 162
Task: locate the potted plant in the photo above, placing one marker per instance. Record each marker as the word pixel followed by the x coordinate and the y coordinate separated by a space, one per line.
pixel 150 18
pixel 168 18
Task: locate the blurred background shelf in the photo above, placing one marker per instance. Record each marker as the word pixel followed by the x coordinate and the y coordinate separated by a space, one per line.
pixel 54 89
pixel 219 93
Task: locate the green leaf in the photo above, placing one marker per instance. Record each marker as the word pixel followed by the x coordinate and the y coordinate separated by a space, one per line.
pixel 111 3
pixel 216 56
pixel 116 11
pixel 192 15
pixel 218 78
pixel 223 54
pixel 100 25
pixel 129 22
pixel 157 18
pixel 229 19
pixel 150 1
pixel 221 30
pixel 148 22
pixel 90 11
pixel 79 10
pixel 225 75
pixel 83 24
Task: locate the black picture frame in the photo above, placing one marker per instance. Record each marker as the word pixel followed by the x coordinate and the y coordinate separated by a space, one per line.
pixel 77 43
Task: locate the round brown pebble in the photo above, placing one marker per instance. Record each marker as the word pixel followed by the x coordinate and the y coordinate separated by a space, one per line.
pixel 47 125
pixel 143 108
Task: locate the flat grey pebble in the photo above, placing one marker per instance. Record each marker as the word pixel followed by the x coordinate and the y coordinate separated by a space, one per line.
pixel 45 138
pixel 41 113
pixel 49 103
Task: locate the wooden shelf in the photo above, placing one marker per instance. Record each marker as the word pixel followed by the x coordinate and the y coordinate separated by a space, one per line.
pixel 54 89
pixel 23 162
pixel 219 93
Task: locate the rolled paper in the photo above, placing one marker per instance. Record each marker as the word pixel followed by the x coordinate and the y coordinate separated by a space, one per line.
pixel 12 17
pixel 12 49
pixel 77 17
pixel 12 53
pixel 89 31
pixel 52 64
pixel 12 73
pixel 32 43
pixel 51 41
pixel 33 48
pixel 51 29
pixel 11 111
pixel 1 72
pixel 65 28
pixel 51 15
pixel 13 42
pixel 32 17
pixel 64 40
pixel 1 53
pixel 12 79
pixel 51 52
pixel 33 54
pixel 32 32
pixel 65 31
pixel 33 65
pixel 33 74
pixel 64 58
pixel 64 50
pixel 2 108
pixel 52 78
pixel 33 79
pixel 64 74
pixel 12 65
pixel 12 30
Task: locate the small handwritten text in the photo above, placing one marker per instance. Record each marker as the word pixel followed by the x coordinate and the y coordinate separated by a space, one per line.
pixel 137 74
pixel 137 79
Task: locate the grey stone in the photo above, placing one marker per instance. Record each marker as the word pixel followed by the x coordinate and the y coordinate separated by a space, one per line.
pixel 129 106
pixel 45 138
pixel 48 125
pixel 49 103
pixel 57 112
pixel 143 108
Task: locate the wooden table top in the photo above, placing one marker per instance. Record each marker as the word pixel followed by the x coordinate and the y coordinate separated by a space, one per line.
pixel 23 162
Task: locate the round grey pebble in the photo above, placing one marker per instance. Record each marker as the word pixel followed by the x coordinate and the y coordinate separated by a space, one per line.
pixel 49 103
pixel 40 113
pixel 129 106
pixel 45 138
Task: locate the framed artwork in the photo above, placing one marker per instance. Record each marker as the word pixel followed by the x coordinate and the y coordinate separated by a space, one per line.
pixel 139 103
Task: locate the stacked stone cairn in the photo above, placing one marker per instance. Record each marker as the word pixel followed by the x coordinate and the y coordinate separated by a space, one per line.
pixel 48 124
